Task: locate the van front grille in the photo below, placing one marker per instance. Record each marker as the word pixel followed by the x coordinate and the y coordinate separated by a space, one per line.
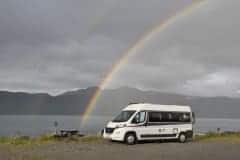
pixel 109 130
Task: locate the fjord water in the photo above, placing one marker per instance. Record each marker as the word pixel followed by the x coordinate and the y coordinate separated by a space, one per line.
pixel 37 124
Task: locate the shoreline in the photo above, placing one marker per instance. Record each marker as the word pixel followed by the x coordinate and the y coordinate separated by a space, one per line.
pixel 24 125
pixel 77 137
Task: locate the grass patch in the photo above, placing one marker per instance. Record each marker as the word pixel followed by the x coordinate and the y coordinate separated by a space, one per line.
pixel 26 140
pixel 20 140
pixel 234 136
pixel 4 139
pixel 31 158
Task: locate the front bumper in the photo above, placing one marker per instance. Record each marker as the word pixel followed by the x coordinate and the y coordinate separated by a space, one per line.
pixel 117 135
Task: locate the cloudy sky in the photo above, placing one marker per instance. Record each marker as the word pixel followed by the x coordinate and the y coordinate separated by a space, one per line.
pixel 58 45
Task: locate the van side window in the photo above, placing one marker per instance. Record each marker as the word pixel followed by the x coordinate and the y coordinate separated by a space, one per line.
pixel 169 117
pixel 155 117
pixel 139 118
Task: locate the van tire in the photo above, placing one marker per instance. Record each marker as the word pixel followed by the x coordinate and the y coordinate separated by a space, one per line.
pixel 130 139
pixel 182 138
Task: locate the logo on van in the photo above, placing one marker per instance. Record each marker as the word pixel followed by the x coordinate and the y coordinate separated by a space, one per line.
pixel 161 130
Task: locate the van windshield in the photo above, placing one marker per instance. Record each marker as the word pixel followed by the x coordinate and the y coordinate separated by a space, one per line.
pixel 124 116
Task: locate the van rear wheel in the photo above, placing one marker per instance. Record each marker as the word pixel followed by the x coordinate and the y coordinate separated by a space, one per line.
pixel 182 138
pixel 130 139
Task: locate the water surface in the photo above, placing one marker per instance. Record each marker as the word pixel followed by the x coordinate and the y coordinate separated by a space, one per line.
pixel 35 124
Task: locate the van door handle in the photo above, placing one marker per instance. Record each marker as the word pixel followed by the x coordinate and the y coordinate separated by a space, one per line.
pixel 161 130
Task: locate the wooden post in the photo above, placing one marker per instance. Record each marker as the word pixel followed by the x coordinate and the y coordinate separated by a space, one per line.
pixel 56 127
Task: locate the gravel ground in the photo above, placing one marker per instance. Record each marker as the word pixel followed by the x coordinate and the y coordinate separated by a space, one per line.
pixel 210 150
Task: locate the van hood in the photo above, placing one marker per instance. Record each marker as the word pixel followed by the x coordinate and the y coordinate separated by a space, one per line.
pixel 116 124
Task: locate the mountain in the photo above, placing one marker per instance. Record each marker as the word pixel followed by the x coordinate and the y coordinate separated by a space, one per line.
pixel 111 102
pixel 69 103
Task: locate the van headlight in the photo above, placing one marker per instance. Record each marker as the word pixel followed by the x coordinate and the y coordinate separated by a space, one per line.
pixel 175 130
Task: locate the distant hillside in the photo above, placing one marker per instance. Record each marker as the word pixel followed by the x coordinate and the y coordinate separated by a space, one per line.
pixel 111 101
pixel 25 103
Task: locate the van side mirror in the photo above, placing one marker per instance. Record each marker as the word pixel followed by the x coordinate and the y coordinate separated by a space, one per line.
pixel 135 120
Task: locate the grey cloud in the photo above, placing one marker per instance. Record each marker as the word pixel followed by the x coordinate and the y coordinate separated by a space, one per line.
pixel 185 57
pixel 223 83
pixel 57 67
pixel 46 21
pixel 56 45
pixel 131 19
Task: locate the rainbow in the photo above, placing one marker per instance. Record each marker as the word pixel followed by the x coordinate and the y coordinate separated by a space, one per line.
pixel 139 44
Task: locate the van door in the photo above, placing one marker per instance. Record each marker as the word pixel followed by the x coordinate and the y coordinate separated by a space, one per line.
pixel 156 128
pixel 139 123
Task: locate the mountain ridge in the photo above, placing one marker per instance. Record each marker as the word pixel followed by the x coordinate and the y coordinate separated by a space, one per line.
pixel 110 102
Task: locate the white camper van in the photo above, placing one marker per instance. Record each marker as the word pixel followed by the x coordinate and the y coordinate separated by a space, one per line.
pixel 151 122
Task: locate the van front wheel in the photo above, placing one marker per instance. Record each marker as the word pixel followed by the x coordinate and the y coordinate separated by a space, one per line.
pixel 182 138
pixel 130 139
